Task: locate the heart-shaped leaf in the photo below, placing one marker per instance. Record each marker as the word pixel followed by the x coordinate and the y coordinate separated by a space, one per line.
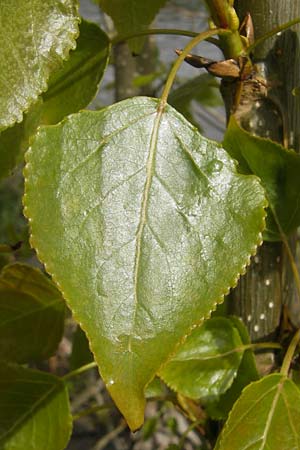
pixel 132 16
pixel 208 361
pixel 32 313
pixel 38 36
pixel 266 417
pixel 34 410
pixel 277 167
pixel 145 225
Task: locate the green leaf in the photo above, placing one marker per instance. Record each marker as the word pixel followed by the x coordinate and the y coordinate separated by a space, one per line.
pixel 132 16
pixel 277 167
pixel 74 86
pixel 204 89
pixel 207 363
pixel 32 313
pixel 34 410
pixel 15 140
pixel 219 407
pixel 38 36
pixel 81 353
pixel 70 89
pixel 144 225
pixel 266 417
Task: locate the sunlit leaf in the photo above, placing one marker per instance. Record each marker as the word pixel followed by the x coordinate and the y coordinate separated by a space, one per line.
pixel 32 313
pixel 38 36
pixel 145 225
pixel 277 167
pixel 131 16
pixel 266 417
pixel 207 363
pixel 34 410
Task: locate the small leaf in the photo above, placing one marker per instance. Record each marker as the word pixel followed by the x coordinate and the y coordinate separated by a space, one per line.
pixel 266 417
pixel 131 16
pixel 32 313
pixel 277 167
pixel 207 363
pixel 145 225
pixel 204 89
pixel 34 410
pixel 38 36
pixel 218 408
pixel 74 86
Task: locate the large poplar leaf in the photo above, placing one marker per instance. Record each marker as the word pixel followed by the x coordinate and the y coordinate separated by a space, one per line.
pixel 266 417
pixel 144 225
pixel 278 169
pixel 131 16
pixel 34 410
pixel 38 36
pixel 207 362
pixel 32 313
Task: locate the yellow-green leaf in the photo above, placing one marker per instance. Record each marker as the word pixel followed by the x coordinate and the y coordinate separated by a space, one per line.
pixel 145 225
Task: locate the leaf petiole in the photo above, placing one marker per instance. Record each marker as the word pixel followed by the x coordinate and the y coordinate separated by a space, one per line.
pixel 289 354
pixel 79 371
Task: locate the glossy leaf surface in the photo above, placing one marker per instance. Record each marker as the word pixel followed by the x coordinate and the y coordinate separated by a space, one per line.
pixel 277 167
pixel 145 225
pixel 32 313
pixel 266 416
pixel 34 410
pixel 207 363
pixel 38 36
pixel 74 86
pixel 131 16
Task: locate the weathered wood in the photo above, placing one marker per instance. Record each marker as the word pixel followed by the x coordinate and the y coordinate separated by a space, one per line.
pixel 268 283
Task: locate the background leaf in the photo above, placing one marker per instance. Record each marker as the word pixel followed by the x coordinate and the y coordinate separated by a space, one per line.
pixel 277 167
pixel 34 410
pixel 74 86
pixel 32 313
pixel 265 417
pixel 203 89
pixel 219 407
pixel 131 16
pixel 81 353
pixel 70 89
pixel 38 36
pixel 145 225
pixel 207 363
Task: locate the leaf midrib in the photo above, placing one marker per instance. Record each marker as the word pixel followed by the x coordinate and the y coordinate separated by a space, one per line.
pixel 143 214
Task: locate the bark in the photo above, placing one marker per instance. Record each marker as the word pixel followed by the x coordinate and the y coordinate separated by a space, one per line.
pixel 268 284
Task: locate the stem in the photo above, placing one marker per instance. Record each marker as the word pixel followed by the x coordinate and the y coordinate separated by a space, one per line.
pixel 289 354
pixel 271 33
pixel 186 432
pixel 91 410
pixel 200 37
pixel 288 250
pixel 79 371
pixel 171 31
